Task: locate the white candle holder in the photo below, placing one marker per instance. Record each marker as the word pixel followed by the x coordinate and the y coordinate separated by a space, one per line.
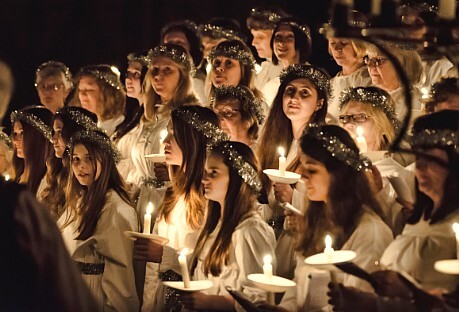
pixel 194 285
pixel 275 284
pixel 160 158
pixel 276 176
pixel 156 238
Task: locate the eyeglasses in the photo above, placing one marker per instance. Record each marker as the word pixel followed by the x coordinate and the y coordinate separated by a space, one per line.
pixel 48 87
pixel 133 75
pixel 376 61
pixel 355 118
pixel 226 113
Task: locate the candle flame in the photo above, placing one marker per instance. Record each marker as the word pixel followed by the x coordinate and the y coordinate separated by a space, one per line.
pixel 184 252
pixel 328 241
pixel 267 259
pixel 281 151
pixel 359 131
pixel 163 135
pixel 456 227
pixel 149 208
pixel 7 177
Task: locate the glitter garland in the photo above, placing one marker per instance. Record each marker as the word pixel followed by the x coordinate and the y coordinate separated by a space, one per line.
pixel 79 118
pixel 6 138
pixel 188 24
pixel 213 133
pixel 98 138
pixel 436 137
pixel 305 29
pixel 243 168
pixel 234 52
pixel 266 15
pixel 140 58
pixel 180 57
pixel 33 121
pixel 338 149
pixel 244 95
pixel 218 32
pixel 374 96
pixel 111 78
pixel 65 70
pixel 320 80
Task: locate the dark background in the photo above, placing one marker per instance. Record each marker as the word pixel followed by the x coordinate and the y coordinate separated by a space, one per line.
pixel 83 32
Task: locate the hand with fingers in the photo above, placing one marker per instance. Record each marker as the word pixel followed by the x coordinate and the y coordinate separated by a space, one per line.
pixel 161 171
pixel 283 192
pixel 350 299
pixel 147 250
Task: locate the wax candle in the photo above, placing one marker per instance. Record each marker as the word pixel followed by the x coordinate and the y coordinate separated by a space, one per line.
pixel 375 7
pixel 184 267
pixel 147 219
pixel 447 9
pixel 456 231
pixel 7 177
pixel 267 267
pixel 360 140
pixel 162 137
pixel 328 246
pixel 282 161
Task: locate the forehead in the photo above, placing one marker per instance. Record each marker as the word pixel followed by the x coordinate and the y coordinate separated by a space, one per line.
pixel 230 103
pixel 305 159
pixel 214 160
pixel 17 125
pixel 87 80
pixel 162 61
pixel 55 77
pixel 261 32
pixel 58 123
pixel 174 35
pixel 80 149
pixel 133 65
pixel 302 83
pixel 355 106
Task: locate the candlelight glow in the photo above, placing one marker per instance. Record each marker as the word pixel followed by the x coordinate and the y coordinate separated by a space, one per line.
pixel 328 241
pixel 456 228
pixel 115 70
pixel 7 177
pixel 184 252
pixel 360 131
pixel 163 135
pixel 149 208
pixel 267 259
pixel 281 151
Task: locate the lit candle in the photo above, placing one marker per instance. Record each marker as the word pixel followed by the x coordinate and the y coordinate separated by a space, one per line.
pixel 162 136
pixel 425 93
pixel 282 161
pixel 456 231
pixel 184 267
pixel 375 7
pixel 360 140
pixel 147 219
pixel 328 246
pixel 7 177
pixel 267 267
pixel 447 9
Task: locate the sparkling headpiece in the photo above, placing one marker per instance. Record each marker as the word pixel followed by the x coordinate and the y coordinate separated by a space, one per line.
pixel 141 58
pixel 436 137
pixel 305 29
pixel 320 80
pixel 338 149
pixel 178 56
pixel 218 32
pixel 235 52
pixel 61 66
pixel 79 118
pixel 266 15
pixel 243 168
pixel 33 121
pixel 245 97
pixel 375 97
pixel 109 75
pixel 213 133
pixel 188 24
pixel 6 138
pixel 98 138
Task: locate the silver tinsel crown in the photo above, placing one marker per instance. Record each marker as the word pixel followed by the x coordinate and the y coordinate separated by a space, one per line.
pixel 245 97
pixel 98 138
pixel 320 80
pixel 234 52
pixel 140 58
pixel 79 118
pixel 176 55
pixel 213 133
pixel 243 168
pixel 111 78
pixel 436 137
pixel 338 149
pixel 305 29
pixel 267 15
pixel 218 32
pixel 65 70
pixel 375 97
pixel 33 121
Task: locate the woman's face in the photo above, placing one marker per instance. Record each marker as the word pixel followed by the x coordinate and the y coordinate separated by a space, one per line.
pixel 52 92
pixel 82 166
pixel 133 82
pixel 225 71
pixel 355 114
pixel 208 44
pixel 216 179
pixel 431 175
pixel 174 155
pixel 57 140
pixel 17 139
pixel 178 38
pixel 229 113
pixel 316 177
pixel 300 100
pixel 382 72
pixel 89 94
pixel 165 77
pixel 343 52
pixel 261 42
pixel 284 43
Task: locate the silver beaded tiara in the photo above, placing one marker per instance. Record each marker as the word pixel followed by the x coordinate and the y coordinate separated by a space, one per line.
pixel 61 66
pixel 436 137
pixel 218 32
pixel 234 52
pixel 111 78
pixel 176 55
pixel 320 80
pixel 266 15
pixel 97 138
pixel 140 58
pixel 79 118
pixel 33 121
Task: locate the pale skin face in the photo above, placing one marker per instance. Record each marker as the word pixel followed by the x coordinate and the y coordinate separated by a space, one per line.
pixel 316 177
pixel 174 155
pixel 368 126
pixel 225 71
pixel 383 76
pixel 178 38
pixel 284 46
pixel 208 44
pixel 52 92
pixel 344 55
pixel 216 179
pixel 89 94
pixel 82 166
pixel 57 140
pixel 261 42
pixel 133 82
pixel 165 77
pixel 229 113
pixel 17 139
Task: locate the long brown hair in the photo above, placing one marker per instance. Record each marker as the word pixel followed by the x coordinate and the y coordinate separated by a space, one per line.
pixel 345 204
pixel 239 201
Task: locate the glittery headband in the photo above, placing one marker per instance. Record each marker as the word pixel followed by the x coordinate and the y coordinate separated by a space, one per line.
pixel 33 121
pixel 338 149
pixel 375 97
pixel 188 24
pixel 111 78
pixel 266 15
pixel 140 58
pixel 218 32
pixel 305 29
pixel 320 80
pixel 97 138
pixel 6 138
pixel 254 104
pixel 436 137
pixel 79 118
pixel 175 55
pixel 243 168
pixel 61 66
pixel 234 52
pixel 213 133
